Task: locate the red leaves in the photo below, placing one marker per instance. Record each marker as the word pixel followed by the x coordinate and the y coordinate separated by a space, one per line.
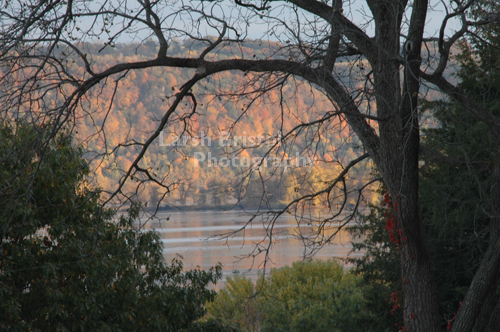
pixel 387 200
pixel 394 297
pixel 396 300
pixel 392 224
pixel 390 227
pixel 450 322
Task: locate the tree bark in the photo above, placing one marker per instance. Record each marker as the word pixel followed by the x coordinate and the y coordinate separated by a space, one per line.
pixel 486 311
pixel 486 277
pixel 494 322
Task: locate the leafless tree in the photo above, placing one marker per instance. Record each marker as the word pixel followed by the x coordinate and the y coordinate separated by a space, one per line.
pixel 376 94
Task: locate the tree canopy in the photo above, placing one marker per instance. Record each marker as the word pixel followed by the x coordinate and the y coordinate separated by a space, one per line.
pixel 307 296
pixel 69 264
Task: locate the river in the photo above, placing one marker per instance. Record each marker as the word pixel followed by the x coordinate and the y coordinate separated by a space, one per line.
pixel 196 236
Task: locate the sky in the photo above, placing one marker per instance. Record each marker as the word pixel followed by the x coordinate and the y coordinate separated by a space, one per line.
pixel 356 11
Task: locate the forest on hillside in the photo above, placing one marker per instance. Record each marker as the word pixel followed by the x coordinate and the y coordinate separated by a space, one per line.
pixel 206 156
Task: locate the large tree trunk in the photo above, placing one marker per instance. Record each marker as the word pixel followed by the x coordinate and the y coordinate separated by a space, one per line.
pixel 494 322
pixel 485 280
pixel 420 296
pixel 487 308
pixel 400 139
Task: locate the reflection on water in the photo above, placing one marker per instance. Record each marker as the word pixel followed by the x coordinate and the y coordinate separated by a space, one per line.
pixel 198 238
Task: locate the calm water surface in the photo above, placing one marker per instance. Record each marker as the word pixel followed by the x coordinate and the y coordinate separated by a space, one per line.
pixel 196 236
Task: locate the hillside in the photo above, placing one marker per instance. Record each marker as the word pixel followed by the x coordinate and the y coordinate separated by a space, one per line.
pixel 205 157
